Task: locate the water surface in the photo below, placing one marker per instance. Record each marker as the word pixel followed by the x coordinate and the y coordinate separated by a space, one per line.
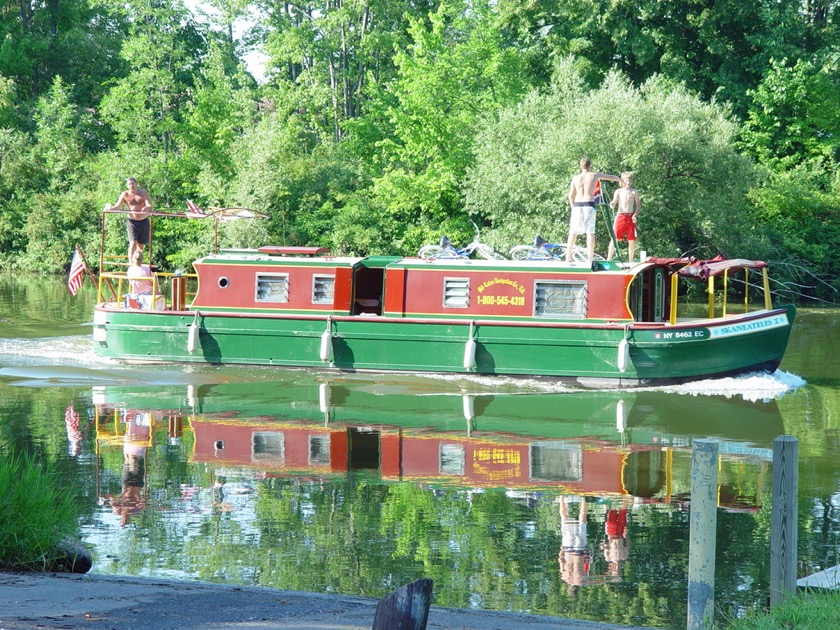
pixel 357 484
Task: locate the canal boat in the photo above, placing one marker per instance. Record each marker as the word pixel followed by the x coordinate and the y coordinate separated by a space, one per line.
pixel 605 324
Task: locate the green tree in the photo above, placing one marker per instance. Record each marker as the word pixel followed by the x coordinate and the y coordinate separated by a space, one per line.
pixel 145 107
pixel 794 118
pixel 223 106
pixel 21 172
pixel 58 134
pixel 691 180
pixel 801 205
pixel 456 71
pixel 324 56
pixel 7 105
pixel 74 40
pixel 718 49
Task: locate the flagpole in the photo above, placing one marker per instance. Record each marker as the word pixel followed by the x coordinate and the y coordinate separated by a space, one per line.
pixel 90 273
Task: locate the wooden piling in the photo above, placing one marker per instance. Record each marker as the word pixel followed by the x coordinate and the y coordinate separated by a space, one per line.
pixel 407 608
pixel 783 528
pixel 702 534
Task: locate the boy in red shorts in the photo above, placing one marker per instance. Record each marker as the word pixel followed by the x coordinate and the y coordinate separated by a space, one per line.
pixel 627 200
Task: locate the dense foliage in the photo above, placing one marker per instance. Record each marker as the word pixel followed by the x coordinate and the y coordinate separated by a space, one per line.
pixel 379 125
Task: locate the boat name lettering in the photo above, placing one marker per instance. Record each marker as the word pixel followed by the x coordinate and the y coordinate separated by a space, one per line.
pixel 502 300
pixel 513 283
pixel 497 463
pixel 748 327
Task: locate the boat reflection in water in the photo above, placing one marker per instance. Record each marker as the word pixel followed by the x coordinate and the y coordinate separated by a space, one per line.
pixel 597 457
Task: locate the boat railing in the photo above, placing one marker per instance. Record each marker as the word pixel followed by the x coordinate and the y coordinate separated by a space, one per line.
pixel 170 291
pixel 713 300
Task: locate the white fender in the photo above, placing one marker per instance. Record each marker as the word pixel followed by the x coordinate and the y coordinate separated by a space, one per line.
pixel 623 355
pixel 192 338
pixel 620 417
pixel 469 354
pixel 469 407
pixel 324 397
pixel 326 346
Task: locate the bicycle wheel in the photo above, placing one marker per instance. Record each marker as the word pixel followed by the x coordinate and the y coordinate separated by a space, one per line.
pixel 527 252
pixel 450 253
pixel 488 253
pixel 581 255
pixel 430 252
pixel 556 250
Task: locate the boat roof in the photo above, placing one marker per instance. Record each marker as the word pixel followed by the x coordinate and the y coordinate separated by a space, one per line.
pixel 718 266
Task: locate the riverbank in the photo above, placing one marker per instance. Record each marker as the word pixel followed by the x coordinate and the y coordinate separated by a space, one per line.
pixel 67 602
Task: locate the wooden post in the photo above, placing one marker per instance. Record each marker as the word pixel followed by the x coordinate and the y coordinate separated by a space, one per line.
pixel 407 608
pixel 702 534
pixel 783 531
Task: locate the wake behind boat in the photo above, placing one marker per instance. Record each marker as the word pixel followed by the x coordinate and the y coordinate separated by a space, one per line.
pixel 605 324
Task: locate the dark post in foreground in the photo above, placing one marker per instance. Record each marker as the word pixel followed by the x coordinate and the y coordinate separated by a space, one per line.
pixel 783 531
pixel 702 537
pixel 407 608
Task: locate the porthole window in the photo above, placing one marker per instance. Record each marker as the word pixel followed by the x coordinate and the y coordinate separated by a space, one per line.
pixel 223 282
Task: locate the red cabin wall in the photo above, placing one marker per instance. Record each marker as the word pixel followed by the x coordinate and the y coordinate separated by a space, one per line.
pixel 395 291
pixel 241 289
pixel 390 454
pixel 502 293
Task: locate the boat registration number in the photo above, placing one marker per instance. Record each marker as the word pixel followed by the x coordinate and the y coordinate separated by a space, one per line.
pixel 682 335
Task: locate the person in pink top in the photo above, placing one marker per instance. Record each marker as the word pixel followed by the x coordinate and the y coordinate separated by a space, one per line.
pixel 139 275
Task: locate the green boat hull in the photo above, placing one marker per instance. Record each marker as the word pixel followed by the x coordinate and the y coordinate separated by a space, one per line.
pixel 647 417
pixel 583 352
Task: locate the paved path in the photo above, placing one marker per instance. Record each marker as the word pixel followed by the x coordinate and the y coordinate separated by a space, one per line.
pixel 63 601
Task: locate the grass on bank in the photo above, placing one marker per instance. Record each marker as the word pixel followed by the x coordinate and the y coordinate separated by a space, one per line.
pixel 37 512
pixel 811 610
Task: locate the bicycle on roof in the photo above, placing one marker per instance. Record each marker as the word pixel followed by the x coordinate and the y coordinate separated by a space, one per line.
pixel 543 250
pixel 446 250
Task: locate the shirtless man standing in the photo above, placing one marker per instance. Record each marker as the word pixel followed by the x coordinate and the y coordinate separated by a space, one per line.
pixel 582 201
pixel 139 205
pixel 627 200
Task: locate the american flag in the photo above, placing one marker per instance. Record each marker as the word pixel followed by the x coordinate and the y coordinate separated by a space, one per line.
pixel 77 273
pixel 74 430
pixel 598 198
pixel 193 208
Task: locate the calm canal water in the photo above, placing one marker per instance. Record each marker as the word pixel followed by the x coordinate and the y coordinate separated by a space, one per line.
pixel 359 484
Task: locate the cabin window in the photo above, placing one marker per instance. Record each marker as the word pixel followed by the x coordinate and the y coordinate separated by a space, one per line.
pixel 268 446
pixel 556 461
pixel 319 450
pixel 452 459
pixel 456 292
pixel 560 298
pixel 273 287
pixel 323 289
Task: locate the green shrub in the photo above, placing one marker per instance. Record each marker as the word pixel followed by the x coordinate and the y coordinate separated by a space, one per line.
pixel 37 512
pixel 813 610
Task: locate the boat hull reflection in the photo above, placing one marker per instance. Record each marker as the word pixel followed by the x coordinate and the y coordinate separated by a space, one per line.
pixel 592 443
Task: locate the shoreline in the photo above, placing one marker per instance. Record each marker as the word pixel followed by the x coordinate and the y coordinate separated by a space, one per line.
pixel 68 601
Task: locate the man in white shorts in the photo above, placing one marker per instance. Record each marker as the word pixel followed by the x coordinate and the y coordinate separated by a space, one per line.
pixel 582 201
